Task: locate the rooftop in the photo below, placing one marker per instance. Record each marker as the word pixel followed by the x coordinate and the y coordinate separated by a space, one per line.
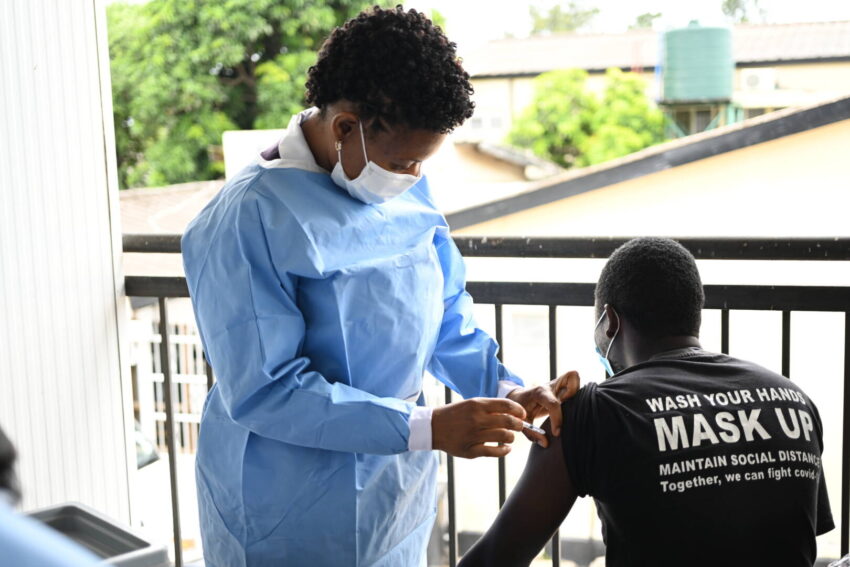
pixel 639 49
pixel 671 154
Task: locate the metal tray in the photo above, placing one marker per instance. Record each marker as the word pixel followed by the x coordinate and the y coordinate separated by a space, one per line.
pixel 112 542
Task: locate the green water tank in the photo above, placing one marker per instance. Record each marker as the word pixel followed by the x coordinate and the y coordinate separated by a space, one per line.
pixel 698 64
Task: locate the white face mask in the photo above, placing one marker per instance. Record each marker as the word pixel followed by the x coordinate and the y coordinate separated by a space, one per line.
pixel 374 184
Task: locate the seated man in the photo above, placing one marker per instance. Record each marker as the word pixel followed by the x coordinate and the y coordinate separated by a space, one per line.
pixel 693 458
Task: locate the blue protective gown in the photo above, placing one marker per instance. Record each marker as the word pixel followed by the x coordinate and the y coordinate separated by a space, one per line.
pixel 320 314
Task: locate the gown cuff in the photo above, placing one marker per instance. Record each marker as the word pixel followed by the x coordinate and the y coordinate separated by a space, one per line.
pixel 506 387
pixel 420 429
pixel 420 420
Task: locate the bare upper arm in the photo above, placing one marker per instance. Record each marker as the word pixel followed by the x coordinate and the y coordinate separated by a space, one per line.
pixel 535 508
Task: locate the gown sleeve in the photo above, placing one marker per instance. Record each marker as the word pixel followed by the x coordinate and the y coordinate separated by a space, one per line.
pixel 245 302
pixel 465 356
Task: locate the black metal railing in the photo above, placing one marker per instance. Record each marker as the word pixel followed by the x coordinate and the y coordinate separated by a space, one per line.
pixel 725 298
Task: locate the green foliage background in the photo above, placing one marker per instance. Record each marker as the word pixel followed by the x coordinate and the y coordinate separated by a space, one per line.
pixel 183 71
pixel 572 126
pixel 559 18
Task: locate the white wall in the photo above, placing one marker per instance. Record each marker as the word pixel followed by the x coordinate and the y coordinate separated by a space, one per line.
pixel 61 395
pixel 243 147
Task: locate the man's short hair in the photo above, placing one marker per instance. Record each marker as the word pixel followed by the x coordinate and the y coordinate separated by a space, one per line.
pixel 655 283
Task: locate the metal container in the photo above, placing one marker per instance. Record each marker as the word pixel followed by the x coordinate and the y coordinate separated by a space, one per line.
pixel 112 542
pixel 698 65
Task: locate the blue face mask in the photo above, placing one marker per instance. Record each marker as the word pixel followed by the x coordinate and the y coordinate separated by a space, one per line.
pixel 603 358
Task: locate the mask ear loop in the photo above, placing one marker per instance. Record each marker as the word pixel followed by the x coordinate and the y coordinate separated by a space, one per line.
pixel 363 141
pixel 338 145
pixel 608 350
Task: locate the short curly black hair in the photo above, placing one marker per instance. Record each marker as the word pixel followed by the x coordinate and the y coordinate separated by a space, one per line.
pixel 655 283
pixel 396 66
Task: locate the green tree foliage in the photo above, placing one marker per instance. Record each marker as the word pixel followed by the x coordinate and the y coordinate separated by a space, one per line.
pixel 572 126
pixel 560 19
pixel 627 121
pixel 645 21
pixel 560 119
pixel 183 71
pixel 742 11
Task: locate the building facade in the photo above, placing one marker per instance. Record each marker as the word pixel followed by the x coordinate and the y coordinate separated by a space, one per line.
pixel 776 66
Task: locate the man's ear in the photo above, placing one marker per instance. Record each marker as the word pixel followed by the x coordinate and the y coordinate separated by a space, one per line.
pixel 613 322
pixel 343 124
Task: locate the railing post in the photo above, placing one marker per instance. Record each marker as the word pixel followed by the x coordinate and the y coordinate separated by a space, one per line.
pixel 209 372
pixel 786 344
pixel 165 362
pixel 724 331
pixel 845 451
pixel 553 374
pixel 501 355
pixel 450 474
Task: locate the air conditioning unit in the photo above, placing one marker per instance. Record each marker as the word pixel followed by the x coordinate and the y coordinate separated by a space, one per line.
pixel 758 79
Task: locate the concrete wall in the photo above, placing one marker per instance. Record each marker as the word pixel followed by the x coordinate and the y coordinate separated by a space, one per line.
pixel 63 399
pixel 792 85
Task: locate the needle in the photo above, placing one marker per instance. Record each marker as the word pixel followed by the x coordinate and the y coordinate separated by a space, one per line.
pixel 533 428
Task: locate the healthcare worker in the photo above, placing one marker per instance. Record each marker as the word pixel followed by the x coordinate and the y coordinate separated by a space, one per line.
pixel 325 284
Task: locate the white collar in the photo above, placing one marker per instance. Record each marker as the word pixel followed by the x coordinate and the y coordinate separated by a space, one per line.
pixel 293 149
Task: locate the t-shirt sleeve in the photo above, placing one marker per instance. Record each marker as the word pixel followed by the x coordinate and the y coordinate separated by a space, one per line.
pixel 824 518
pixel 579 434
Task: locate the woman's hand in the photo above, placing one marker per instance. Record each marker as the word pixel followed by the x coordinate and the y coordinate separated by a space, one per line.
pixel 462 428
pixel 541 400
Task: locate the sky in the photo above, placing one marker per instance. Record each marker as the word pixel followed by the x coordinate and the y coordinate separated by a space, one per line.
pixel 471 23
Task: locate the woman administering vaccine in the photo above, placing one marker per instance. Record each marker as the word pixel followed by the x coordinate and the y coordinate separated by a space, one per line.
pixel 325 284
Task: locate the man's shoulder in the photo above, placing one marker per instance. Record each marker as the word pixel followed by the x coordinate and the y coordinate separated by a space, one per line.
pixel 584 397
pixel 697 373
pixel 695 366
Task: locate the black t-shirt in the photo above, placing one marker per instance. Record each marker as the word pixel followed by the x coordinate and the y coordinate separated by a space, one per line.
pixel 697 458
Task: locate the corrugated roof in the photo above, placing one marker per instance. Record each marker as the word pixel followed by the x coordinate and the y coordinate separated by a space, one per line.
pixel 162 210
pixel 167 209
pixel 640 49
